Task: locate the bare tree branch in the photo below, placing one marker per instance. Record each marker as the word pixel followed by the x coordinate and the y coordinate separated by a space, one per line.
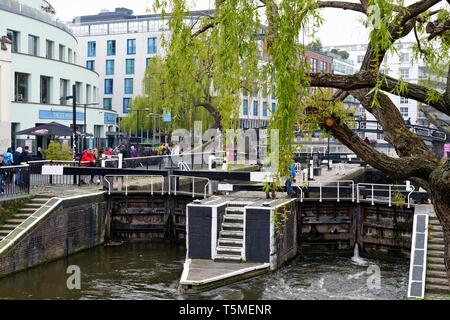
pixel 367 79
pixel 342 5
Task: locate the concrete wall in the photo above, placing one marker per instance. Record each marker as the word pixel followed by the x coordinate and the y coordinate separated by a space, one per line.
pixel 5 101
pixel 73 226
pixel 257 235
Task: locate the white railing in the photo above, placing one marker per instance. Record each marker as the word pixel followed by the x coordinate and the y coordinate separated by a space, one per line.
pixel 205 194
pixel 183 166
pixel 339 185
pixel 125 180
pixel 373 187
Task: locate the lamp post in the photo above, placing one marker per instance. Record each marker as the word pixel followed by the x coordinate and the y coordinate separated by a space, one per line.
pixel 154 116
pixel 85 116
pixel 74 124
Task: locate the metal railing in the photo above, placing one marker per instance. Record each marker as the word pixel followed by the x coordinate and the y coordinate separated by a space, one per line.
pixel 205 194
pixel 14 181
pixel 341 186
pixel 125 180
pixel 384 188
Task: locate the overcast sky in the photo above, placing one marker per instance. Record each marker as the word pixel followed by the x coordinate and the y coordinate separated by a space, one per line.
pixel 340 27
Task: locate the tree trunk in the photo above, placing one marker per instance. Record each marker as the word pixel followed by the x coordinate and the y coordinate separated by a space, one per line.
pixel 440 195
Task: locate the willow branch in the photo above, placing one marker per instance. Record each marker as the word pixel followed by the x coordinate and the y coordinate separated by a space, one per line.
pixel 342 5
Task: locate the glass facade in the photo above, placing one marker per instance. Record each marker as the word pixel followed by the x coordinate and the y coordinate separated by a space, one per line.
pixel 151 46
pixel 126 104
pixel 92 49
pixel 109 67
pixel 90 64
pixel 109 86
pixel 107 103
pixel 128 86
pixel 255 108
pixel 131 46
pixel 129 66
pixel 111 48
pixel 245 107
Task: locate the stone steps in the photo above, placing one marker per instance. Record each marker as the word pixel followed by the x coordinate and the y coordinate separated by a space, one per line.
pixel 231 242
pixel 435 267
pixel 9 227
pixel 232 226
pixel 227 258
pixel 432 288
pixel 22 215
pixel 234 217
pixel 438 281
pixel 436 254
pixel 435 260
pixel 229 250
pixel 437 274
pixel 438 247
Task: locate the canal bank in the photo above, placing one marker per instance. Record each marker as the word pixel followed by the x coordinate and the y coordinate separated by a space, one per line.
pixel 153 270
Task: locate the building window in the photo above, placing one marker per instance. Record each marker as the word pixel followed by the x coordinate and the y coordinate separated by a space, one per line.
pixel 107 103
pixel 109 86
pixel 314 65
pixel 45 89
pixel 403 100
pixel 360 59
pixel 33 45
pixel 62 52
pixel 14 37
pixel 264 109
pixel 131 46
pixel 109 67
pixel 70 55
pixel 63 91
pixel 273 92
pixel 148 61
pixel 90 64
pixel 245 107
pixel 111 48
pixel 404 73
pixel 126 105
pixel 151 45
pixel 21 87
pixel 255 108
pixel 422 72
pixel 128 86
pixel 274 107
pixel 88 93
pixel 49 45
pixel 92 49
pixel 129 66
pixel 404 112
pixel 404 57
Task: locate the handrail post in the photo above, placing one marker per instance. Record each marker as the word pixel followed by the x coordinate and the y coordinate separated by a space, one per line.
pixel 373 194
pixel 151 183
pixel 390 195
pixel 357 193
pixel 320 185
pixel 353 191
pixel 162 185
pixel 193 187
pixel 338 191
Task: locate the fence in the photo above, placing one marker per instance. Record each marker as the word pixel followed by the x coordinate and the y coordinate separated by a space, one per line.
pixel 14 181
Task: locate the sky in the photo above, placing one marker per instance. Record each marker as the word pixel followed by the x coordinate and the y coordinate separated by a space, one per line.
pixel 340 27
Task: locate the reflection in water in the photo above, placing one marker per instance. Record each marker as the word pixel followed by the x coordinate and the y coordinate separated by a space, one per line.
pixel 152 271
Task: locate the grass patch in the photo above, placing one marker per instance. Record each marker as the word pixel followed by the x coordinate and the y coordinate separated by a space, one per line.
pixel 9 209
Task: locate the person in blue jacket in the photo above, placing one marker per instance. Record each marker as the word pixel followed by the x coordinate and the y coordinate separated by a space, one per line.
pixel 289 189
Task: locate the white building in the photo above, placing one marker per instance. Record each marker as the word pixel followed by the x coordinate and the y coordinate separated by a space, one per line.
pixel 118 45
pixel 397 65
pixel 5 100
pixel 43 69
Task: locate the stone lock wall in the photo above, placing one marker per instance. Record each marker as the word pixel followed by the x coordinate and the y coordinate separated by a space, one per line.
pixel 73 226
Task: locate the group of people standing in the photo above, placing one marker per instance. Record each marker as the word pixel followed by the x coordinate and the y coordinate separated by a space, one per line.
pixel 9 159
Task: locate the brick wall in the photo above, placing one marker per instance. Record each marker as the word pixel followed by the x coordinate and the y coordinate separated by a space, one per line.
pixel 75 225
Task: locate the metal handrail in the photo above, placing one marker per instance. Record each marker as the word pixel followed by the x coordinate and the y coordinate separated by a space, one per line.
pixel 338 198
pixel 134 176
pixel 389 186
pixel 208 183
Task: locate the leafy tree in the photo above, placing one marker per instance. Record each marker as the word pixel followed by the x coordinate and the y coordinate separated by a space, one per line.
pixel 315 46
pixel 57 151
pixel 231 41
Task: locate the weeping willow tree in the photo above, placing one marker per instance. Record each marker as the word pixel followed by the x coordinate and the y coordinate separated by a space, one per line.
pixel 210 61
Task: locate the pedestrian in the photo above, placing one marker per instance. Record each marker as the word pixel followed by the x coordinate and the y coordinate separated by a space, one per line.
pixel 26 154
pixel 17 159
pixel 2 175
pixel 366 141
pixel 133 152
pixel 40 155
pixel 293 174
pixel 8 160
pixel 408 122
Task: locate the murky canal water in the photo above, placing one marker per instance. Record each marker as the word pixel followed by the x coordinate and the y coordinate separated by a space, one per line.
pixel 152 271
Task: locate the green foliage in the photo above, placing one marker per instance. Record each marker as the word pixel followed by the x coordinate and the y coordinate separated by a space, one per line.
pixel 9 209
pixel 57 151
pixel 398 199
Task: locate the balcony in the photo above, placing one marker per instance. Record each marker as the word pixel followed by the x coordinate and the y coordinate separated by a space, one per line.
pixel 27 11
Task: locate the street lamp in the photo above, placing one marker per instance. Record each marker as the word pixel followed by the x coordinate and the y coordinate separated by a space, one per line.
pixel 74 112
pixel 154 116
pixel 85 116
